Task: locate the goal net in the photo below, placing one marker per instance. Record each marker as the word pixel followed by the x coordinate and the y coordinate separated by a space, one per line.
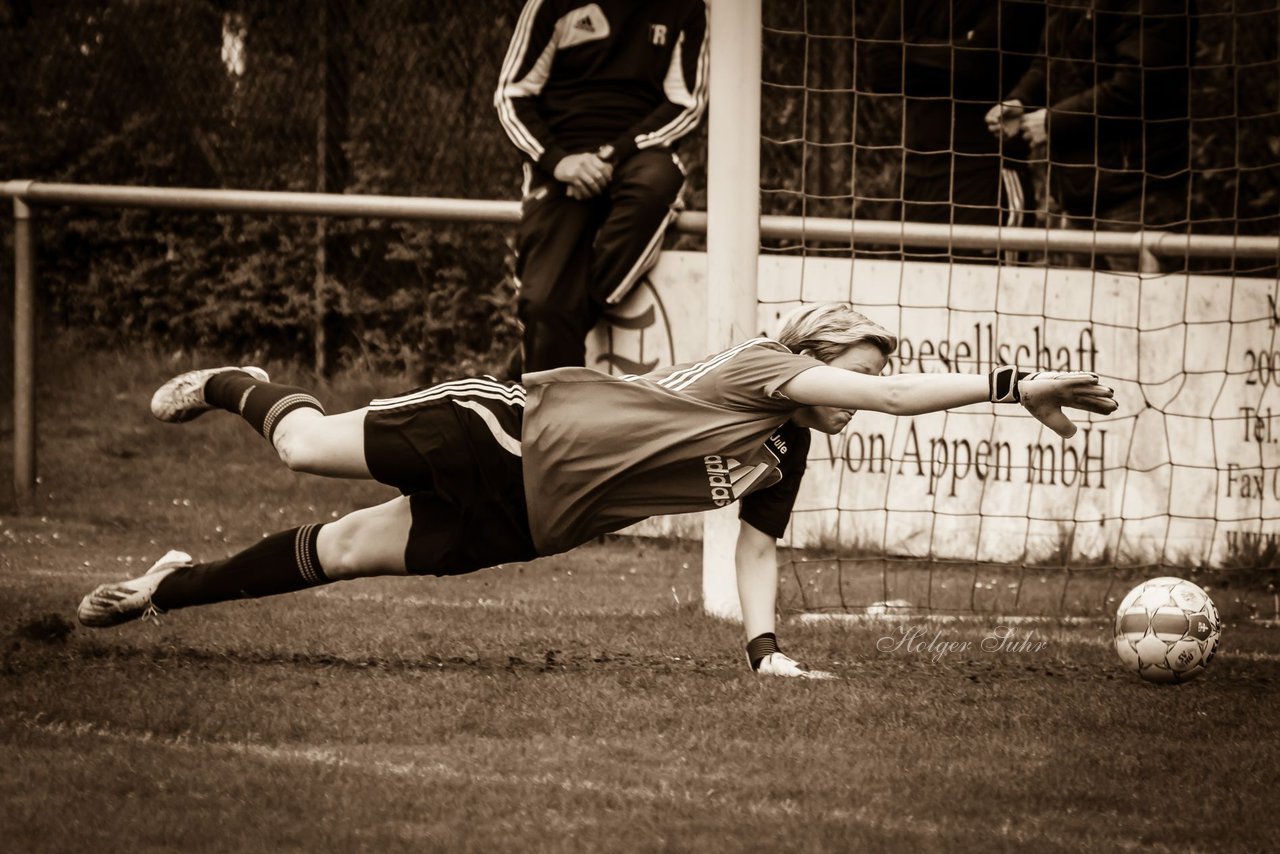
pixel 1162 118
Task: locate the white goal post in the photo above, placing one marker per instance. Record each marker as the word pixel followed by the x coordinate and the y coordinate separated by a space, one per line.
pixel 733 240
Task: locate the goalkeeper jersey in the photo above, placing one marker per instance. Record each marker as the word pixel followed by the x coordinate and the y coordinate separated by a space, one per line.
pixel 602 452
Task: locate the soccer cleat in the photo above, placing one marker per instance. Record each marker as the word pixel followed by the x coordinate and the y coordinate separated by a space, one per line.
pixel 123 601
pixel 182 398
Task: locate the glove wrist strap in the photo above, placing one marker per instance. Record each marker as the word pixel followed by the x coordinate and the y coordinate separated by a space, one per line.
pixel 1002 384
pixel 760 646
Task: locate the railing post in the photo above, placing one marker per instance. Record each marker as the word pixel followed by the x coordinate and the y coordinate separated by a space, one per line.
pixel 24 357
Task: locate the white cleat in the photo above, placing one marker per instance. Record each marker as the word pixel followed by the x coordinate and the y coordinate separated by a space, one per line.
pixel 182 398
pixel 123 601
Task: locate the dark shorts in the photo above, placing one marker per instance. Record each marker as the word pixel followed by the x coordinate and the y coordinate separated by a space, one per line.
pixel 454 450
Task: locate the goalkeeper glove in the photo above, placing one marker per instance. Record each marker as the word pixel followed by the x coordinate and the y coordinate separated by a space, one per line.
pixel 767 660
pixel 1043 394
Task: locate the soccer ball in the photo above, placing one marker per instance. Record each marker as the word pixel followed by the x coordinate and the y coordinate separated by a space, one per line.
pixel 1167 630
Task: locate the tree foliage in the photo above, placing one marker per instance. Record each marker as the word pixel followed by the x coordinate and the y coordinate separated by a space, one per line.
pixel 230 93
pixel 218 93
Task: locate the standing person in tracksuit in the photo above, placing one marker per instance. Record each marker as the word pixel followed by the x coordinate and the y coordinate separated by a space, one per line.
pixel 595 96
pixel 1108 101
pixel 947 58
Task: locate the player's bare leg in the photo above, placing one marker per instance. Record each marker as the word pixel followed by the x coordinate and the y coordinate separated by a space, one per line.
pixel 365 543
pixel 291 419
pixel 309 441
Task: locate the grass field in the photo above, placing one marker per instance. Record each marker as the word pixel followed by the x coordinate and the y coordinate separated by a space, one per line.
pixel 581 703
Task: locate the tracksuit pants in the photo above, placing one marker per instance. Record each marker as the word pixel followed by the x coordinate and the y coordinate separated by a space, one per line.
pixel 575 258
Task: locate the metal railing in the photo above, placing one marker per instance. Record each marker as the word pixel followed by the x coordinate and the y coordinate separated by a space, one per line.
pixel 29 194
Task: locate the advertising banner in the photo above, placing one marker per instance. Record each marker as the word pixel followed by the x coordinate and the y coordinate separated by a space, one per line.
pixel 1188 469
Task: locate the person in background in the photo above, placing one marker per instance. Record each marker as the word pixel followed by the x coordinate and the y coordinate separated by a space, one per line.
pixel 1107 100
pixel 949 59
pixel 595 97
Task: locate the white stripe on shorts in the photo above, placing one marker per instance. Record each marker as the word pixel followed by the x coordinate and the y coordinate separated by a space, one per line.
pixel 509 443
pixel 512 395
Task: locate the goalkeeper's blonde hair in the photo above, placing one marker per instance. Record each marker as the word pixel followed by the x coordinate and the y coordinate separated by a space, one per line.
pixel 830 328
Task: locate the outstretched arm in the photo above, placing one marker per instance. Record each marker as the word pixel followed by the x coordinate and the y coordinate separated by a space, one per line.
pixel 1042 394
pixel 900 394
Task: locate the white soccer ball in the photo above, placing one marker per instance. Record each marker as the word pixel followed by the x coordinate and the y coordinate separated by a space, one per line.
pixel 1167 630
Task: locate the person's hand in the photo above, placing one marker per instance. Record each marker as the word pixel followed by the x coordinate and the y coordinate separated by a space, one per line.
pixel 777 664
pixel 1005 118
pixel 1044 395
pixel 586 174
pixel 1034 127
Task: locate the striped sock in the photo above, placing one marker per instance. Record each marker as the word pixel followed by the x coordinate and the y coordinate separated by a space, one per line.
pixel 263 405
pixel 281 563
pixel 760 646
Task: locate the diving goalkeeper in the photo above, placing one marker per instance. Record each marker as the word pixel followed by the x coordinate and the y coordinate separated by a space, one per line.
pixel 494 473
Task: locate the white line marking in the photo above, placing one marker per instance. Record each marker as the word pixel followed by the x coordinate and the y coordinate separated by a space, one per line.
pixel 341 758
pixel 702 793
pixel 555 607
pixel 1007 619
